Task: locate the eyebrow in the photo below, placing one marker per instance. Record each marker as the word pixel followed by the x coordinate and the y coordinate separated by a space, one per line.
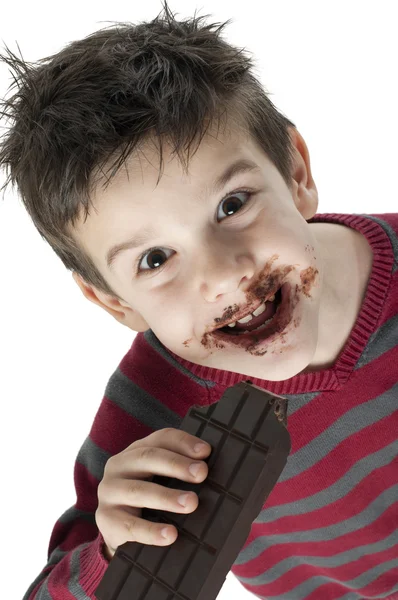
pixel 236 168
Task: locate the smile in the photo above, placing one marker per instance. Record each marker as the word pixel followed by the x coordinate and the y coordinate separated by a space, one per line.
pixel 257 319
pixel 262 333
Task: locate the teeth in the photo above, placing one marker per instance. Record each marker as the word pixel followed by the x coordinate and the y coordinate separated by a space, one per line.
pixel 255 313
pixel 245 319
pixel 259 310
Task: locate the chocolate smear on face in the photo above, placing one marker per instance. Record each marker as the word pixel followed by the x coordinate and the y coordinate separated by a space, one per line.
pixel 308 277
pixel 268 281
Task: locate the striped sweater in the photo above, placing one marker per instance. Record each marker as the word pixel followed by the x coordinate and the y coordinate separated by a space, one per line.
pixel 329 527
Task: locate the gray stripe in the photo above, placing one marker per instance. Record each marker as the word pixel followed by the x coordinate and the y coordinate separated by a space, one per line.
pixel 324 534
pixel 355 596
pixel 297 401
pixel 140 404
pixel 73 513
pixel 351 422
pixel 381 341
pixel 391 234
pixel 364 579
pixel 162 350
pixel 341 488
pixel 74 587
pixel 321 562
pixel 303 590
pixel 56 556
pixel 93 458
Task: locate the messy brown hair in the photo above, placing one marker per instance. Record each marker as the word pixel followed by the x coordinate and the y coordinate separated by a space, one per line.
pixel 102 97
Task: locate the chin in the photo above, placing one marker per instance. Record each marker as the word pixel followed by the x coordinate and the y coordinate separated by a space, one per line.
pixel 277 367
pixel 285 358
pixel 282 368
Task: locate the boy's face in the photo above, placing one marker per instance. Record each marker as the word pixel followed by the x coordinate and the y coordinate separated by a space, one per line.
pixel 212 254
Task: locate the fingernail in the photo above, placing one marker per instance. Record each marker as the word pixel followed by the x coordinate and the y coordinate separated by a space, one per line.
pixel 166 533
pixel 200 447
pixel 183 499
pixel 194 468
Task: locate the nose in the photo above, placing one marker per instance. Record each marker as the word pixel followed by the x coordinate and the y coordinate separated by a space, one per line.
pixel 223 272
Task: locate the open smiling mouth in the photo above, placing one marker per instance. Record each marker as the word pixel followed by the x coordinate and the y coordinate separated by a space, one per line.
pixel 271 319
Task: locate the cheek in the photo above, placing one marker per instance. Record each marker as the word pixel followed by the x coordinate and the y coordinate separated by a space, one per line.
pixel 173 314
pixel 279 228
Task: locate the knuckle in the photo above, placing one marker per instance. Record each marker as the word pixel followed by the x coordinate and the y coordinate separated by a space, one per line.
pixel 167 430
pixel 148 452
pixel 182 436
pixel 102 519
pixel 163 497
pixel 134 487
pixel 154 528
pixel 108 465
pixel 98 518
pixel 130 527
pixel 171 497
pixel 175 463
pixel 178 435
pixel 160 434
pixel 101 489
pixel 187 439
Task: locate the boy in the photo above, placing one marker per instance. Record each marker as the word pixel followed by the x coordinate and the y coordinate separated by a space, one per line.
pixel 305 305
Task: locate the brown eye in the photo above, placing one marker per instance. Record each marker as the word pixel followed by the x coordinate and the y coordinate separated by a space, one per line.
pixel 232 204
pixel 154 258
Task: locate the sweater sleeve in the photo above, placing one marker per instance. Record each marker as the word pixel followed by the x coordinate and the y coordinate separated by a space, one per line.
pixel 75 560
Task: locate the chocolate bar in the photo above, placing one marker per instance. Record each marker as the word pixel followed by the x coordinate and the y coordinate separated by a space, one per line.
pixel 247 430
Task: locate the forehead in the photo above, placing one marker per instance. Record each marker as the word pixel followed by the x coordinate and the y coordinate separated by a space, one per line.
pixel 140 190
pixel 146 166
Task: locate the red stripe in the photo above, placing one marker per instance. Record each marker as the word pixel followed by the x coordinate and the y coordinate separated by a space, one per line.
pixel 59 580
pixel 128 428
pixel 180 393
pixel 334 589
pixel 356 501
pixel 336 463
pixel 366 383
pixel 382 527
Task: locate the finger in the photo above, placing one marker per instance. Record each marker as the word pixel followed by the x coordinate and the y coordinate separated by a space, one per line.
pixel 125 527
pixel 139 494
pixel 144 461
pixel 175 440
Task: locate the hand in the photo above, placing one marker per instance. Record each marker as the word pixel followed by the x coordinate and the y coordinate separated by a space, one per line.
pixel 124 491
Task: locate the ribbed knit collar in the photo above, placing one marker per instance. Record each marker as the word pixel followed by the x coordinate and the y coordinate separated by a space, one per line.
pixel 335 376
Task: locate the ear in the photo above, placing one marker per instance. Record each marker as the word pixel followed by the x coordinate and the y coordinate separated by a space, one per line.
pixel 304 190
pixel 119 310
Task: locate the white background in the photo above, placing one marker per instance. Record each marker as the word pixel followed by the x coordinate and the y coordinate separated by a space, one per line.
pixel 330 67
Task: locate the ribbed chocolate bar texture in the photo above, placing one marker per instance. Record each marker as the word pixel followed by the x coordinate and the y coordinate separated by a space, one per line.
pixel 247 430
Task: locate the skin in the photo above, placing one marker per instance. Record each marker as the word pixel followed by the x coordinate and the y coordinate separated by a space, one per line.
pixel 215 263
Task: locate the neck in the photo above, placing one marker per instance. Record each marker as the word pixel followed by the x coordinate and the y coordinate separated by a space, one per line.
pixel 347 260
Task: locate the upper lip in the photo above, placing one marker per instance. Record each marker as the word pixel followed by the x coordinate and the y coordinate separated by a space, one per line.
pixel 247 310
